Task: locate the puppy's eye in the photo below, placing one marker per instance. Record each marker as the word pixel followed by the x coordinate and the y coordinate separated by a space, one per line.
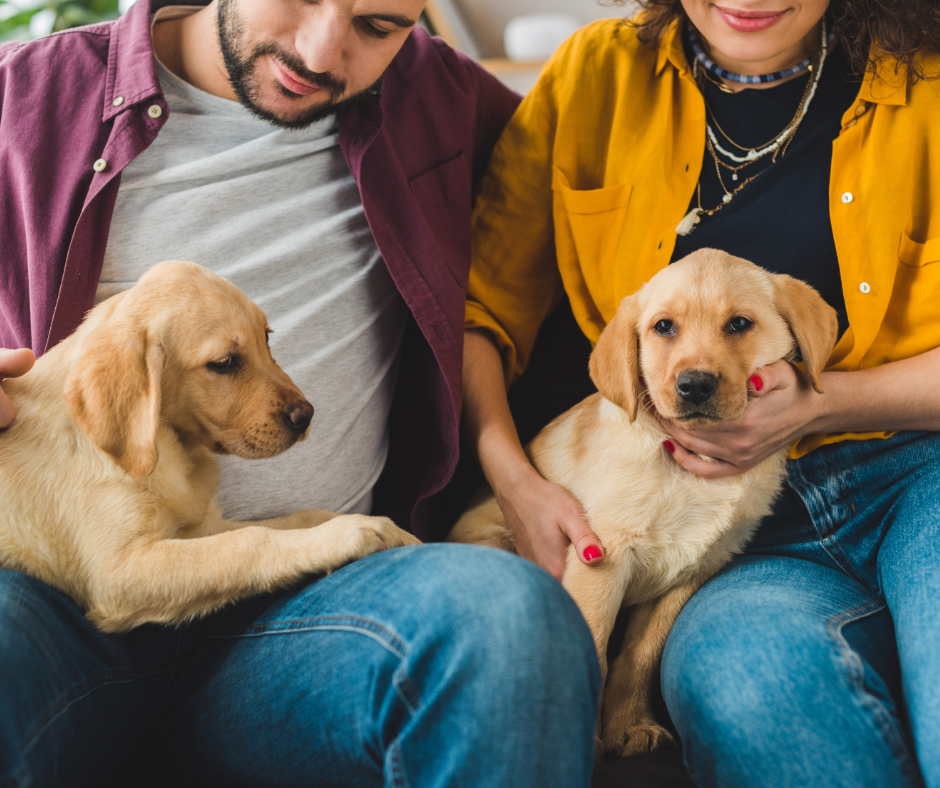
pixel 738 325
pixel 664 328
pixel 224 365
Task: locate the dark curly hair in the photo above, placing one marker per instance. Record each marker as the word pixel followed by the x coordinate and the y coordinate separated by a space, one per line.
pixel 899 28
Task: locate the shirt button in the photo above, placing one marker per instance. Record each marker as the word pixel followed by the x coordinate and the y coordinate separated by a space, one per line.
pixel 865 287
pixel 847 198
pixel 154 110
pixel 118 101
pixel 851 123
pixel 100 165
pixel 859 111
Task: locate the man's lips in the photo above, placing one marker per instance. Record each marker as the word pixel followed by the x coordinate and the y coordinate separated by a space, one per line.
pixel 291 81
pixel 749 21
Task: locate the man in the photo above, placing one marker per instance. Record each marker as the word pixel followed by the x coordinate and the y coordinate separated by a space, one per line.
pixel 321 155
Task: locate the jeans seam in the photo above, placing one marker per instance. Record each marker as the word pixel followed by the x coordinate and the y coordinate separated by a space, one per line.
pixel 819 509
pixel 77 693
pixel 396 767
pixel 358 625
pixel 169 679
pixel 355 624
pixel 81 691
pixel 835 551
pixel 885 722
pixel 806 490
pixel 406 690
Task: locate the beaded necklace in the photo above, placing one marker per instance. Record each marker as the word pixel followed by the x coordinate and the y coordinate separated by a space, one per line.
pixel 749 79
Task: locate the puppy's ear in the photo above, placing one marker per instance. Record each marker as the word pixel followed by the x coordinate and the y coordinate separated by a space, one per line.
pixel 615 363
pixel 812 321
pixel 113 393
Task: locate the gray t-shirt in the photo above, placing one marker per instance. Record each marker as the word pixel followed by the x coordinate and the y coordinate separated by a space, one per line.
pixel 277 213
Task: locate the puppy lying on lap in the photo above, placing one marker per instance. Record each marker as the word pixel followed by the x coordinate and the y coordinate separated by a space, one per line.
pixel 107 475
pixel 687 343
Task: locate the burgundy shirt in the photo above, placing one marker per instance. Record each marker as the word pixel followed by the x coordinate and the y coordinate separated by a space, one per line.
pixel 416 148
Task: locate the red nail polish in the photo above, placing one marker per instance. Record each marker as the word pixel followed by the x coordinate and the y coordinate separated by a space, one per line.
pixel 669 445
pixel 590 553
pixel 756 382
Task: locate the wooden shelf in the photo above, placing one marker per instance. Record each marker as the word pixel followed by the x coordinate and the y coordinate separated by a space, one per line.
pixel 503 65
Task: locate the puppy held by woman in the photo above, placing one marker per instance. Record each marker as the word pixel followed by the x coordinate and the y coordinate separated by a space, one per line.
pixel 693 334
pixel 800 136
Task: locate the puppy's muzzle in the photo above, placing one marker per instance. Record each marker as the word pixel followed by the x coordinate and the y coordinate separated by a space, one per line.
pixel 297 416
pixel 696 386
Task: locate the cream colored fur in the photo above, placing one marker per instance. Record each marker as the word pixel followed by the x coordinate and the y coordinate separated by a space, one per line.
pixel 665 531
pixel 107 475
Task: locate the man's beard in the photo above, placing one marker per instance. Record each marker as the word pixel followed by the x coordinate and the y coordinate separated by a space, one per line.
pixel 241 74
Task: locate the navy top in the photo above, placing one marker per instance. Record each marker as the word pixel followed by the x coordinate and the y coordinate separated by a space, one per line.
pixel 780 220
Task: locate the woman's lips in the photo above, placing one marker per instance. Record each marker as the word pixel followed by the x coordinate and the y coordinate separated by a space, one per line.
pixel 749 21
pixel 292 82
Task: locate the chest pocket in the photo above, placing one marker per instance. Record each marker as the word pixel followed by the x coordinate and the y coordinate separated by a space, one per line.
pixel 444 196
pixel 588 225
pixel 919 279
pixel 912 253
pixel 911 324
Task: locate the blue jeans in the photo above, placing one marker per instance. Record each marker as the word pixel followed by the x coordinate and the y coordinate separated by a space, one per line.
pixel 423 666
pixel 814 659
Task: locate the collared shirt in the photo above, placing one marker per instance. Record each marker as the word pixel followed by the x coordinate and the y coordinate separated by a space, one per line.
pixel 600 162
pixel 78 106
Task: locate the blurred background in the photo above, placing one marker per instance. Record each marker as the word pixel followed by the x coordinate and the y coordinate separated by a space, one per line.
pixel 510 37
pixel 35 18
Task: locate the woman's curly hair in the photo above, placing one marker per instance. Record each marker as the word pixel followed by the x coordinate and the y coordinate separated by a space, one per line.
pixel 899 28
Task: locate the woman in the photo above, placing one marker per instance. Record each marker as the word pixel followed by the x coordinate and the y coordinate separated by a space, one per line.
pixel 775 130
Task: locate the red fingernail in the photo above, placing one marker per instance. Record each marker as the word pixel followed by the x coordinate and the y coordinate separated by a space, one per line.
pixel 756 382
pixel 590 553
pixel 669 445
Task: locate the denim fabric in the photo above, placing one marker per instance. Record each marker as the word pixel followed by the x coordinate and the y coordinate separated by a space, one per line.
pixel 813 659
pixel 429 666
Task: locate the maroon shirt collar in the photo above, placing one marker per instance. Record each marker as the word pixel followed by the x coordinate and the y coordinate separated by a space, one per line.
pixel 132 67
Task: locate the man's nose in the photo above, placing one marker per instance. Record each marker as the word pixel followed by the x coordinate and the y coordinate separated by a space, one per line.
pixel 321 41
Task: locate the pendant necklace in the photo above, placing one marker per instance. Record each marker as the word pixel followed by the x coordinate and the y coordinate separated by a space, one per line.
pixel 776 147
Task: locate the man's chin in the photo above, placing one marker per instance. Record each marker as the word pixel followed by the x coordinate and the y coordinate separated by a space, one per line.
pixel 286 117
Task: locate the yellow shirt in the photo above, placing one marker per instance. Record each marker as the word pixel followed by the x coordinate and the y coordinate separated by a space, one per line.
pixel 601 160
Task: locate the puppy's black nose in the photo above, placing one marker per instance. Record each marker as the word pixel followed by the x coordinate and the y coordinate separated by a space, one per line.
pixel 695 386
pixel 297 416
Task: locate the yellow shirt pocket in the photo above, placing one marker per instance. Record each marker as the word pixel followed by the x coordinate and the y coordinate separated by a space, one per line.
pixel 912 253
pixel 912 322
pixel 588 226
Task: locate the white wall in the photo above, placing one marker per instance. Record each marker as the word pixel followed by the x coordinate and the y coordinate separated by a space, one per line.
pixel 487 18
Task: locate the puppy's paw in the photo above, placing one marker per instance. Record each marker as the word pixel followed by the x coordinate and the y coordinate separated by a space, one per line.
pixel 361 535
pixel 635 738
pixel 390 534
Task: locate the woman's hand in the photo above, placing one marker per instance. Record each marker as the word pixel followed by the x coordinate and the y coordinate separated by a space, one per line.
pixel 782 410
pixel 13 363
pixel 545 519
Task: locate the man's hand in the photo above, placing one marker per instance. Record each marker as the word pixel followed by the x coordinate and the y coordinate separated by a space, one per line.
pixel 544 519
pixel 13 363
pixel 782 409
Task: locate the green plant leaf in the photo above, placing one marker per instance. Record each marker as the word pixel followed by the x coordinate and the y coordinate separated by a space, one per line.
pixel 15 16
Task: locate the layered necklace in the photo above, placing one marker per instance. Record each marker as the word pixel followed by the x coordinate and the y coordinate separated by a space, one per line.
pixel 733 162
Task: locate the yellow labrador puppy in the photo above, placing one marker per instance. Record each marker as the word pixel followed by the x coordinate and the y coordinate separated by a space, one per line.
pixel 107 476
pixel 689 340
